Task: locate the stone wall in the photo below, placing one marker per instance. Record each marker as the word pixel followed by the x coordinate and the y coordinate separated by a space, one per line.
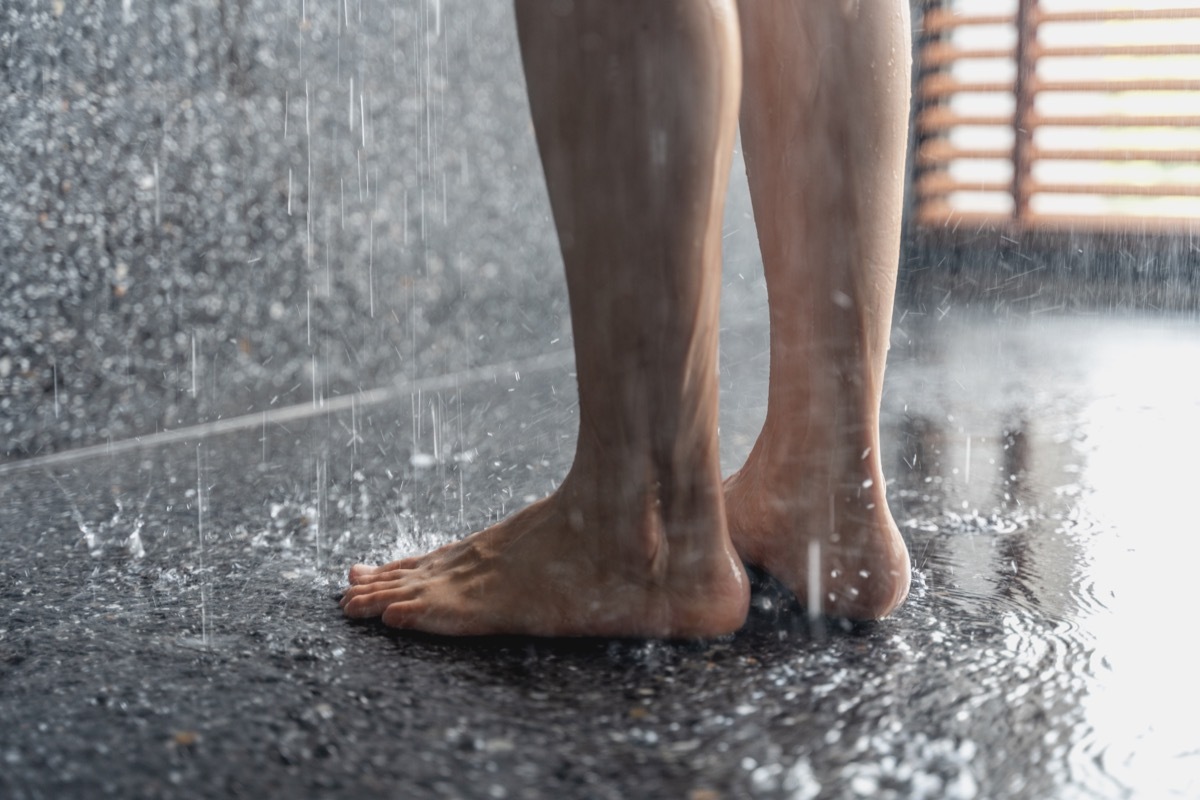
pixel 208 207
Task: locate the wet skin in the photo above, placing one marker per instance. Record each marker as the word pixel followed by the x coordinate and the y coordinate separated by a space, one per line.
pixel 642 538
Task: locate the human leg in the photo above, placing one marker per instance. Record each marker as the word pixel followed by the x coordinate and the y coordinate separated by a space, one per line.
pixel 634 106
pixel 824 127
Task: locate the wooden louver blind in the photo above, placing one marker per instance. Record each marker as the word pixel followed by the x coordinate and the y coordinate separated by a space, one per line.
pixel 1058 114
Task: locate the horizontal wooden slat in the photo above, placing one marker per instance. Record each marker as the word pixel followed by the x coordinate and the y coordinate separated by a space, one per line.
pixel 1115 120
pixel 943 53
pixel 941 20
pixel 1115 50
pixel 1117 189
pixel 1166 156
pixel 940 152
pixel 938 119
pixel 938 86
pixel 940 53
pixel 941 85
pixel 937 152
pixel 1117 15
pixel 1121 85
pixel 938 183
pixel 933 120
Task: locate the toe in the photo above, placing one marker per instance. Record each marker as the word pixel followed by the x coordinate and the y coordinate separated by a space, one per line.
pixel 405 614
pixel 383 575
pixel 364 573
pixel 370 601
pixel 367 572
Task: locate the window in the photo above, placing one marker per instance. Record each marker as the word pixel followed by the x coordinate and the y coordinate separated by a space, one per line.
pixel 1042 114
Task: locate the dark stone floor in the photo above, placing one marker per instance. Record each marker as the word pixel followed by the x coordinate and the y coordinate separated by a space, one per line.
pixel 168 624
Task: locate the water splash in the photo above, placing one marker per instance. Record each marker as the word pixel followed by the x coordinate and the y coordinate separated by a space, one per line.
pixel 134 543
pixel 200 538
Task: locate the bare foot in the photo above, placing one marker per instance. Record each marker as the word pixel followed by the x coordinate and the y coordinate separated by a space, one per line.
pixel 634 542
pixel 553 569
pixel 838 550
pixel 809 504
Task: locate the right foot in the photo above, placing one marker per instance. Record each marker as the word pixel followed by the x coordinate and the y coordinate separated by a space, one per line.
pixel 553 569
pixel 840 553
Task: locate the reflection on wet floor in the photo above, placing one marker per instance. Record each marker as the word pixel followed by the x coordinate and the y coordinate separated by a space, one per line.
pixel 1092 555
pixel 174 603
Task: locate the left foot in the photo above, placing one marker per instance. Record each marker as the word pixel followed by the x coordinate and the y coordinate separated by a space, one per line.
pixel 634 541
pixel 553 569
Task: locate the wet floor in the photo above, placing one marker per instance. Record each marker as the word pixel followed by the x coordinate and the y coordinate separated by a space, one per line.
pixel 169 624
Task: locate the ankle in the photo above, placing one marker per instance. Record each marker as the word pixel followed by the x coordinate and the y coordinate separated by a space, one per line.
pixel 656 527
